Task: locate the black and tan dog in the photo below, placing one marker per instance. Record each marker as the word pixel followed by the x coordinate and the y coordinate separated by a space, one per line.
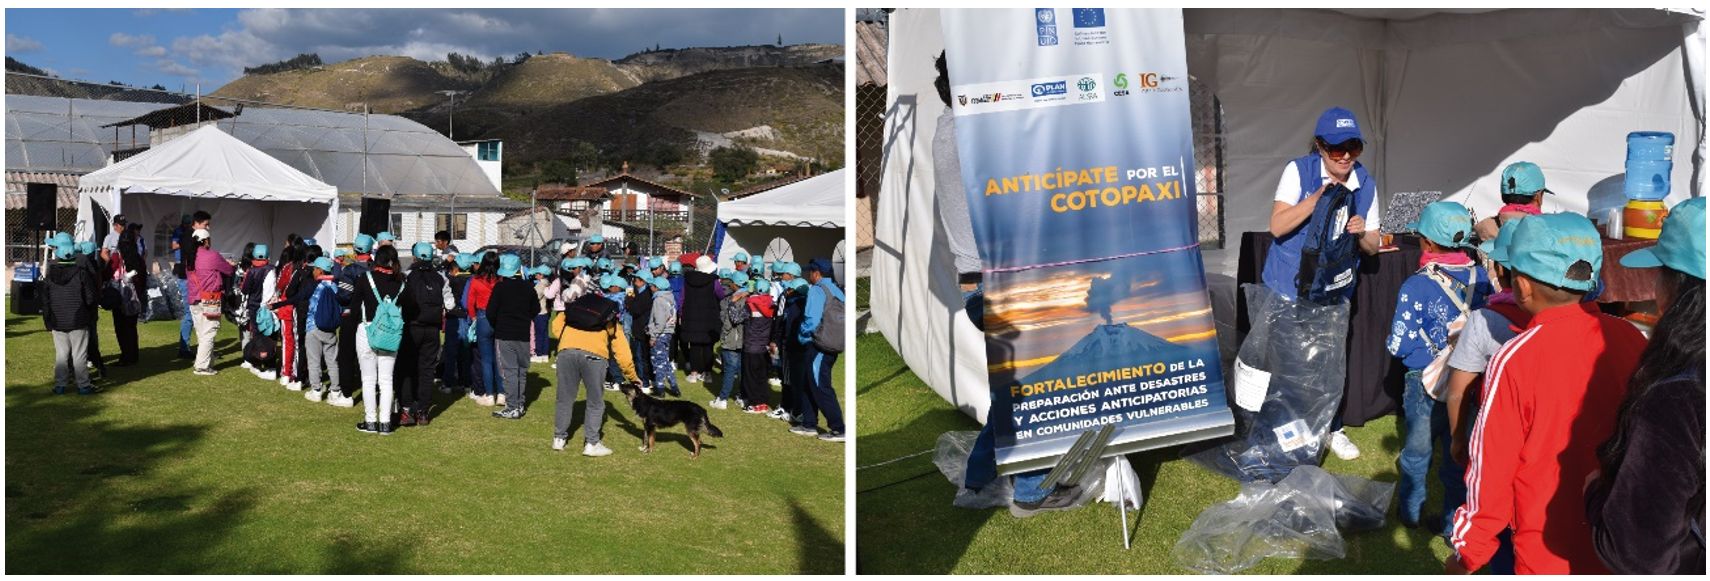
pixel 657 413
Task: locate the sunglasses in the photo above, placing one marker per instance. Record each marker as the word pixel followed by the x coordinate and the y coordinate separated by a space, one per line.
pixel 1348 149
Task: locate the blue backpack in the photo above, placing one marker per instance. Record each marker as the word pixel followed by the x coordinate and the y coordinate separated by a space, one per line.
pixel 386 328
pixel 1331 257
pixel 325 309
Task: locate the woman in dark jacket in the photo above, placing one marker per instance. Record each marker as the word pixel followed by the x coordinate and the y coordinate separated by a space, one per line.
pixel 639 305
pixel 1646 504
pixel 700 322
pixel 129 260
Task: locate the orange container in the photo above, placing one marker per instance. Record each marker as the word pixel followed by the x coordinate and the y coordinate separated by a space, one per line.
pixel 1643 219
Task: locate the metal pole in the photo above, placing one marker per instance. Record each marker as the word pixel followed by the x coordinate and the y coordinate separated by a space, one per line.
pixel 198 103
pixel 1122 503
pixel 534 223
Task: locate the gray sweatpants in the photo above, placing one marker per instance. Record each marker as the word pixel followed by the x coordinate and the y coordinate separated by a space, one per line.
pixel 513 370
pixel 71 358
pixel 322 346
pixel 580 368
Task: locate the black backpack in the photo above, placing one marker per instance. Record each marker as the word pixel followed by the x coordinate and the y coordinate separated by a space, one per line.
pixel 590 312
pixel 429 297
pixel 1331 258
pixel 261 352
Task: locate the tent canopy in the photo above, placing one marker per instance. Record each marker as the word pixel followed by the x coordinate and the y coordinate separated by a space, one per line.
pixel 1445 99
pixel 254 197
pixel 816 202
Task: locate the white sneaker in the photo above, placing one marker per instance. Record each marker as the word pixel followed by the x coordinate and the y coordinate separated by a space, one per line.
pixel 294 386
pixel 558 443
pixel 246 365
pixel 1342 446
pixel 611 387
pixel 268 375
pixel 205 372
pixel 314 395
pixel 485 401
pixel 284 381
pixel 596 450
pixel 537 359
pixel 719 404
pixel 775 382
pixel 341 400
pixel 776 413
pixel 501 399
pixel 555 365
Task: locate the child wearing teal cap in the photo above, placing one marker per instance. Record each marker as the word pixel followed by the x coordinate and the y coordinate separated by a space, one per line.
pixel 661 331
pixel 68 309
pixel 1429 313
pixel 1550 398
pixel 733 313
pixel 1647 499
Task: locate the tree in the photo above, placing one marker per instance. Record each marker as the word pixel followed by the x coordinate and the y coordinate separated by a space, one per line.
pixel 521 56
pixel 583 155
pixel 780 40
pixel 559 171
pixel 731 164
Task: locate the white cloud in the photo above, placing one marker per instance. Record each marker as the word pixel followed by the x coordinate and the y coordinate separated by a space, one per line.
pixel 21 44
pixel 173 68
pixel 123 40
pixel 154 51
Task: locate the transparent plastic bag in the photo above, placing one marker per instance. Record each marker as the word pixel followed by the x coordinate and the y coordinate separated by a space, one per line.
pixel 1298 517
pixel 1294 361
pixel 951 458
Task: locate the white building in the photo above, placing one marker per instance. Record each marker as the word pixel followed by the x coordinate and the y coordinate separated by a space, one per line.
pixel 490 155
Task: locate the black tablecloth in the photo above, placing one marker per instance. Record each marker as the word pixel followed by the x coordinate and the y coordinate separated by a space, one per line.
pixel 1375 378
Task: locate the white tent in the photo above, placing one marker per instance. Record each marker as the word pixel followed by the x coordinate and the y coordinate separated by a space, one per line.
pixel 252 196
pixel 1446 100
pixel 797 222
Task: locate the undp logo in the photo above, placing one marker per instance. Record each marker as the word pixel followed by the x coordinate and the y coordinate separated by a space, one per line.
pixel 1086 84
pixel 1051 88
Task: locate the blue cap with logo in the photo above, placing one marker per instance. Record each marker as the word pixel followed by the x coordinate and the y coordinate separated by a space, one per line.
pixel 1524 178
pixel 363 243
pixel 1547 247
pixel 1680 246
pixel 422 251
pixel 1337 125
pixel 309 242
pixel 323 263
pixel 510 265
pixel 1446 223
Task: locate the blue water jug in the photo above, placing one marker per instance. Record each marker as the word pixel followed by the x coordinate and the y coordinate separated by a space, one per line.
pixel 1650 161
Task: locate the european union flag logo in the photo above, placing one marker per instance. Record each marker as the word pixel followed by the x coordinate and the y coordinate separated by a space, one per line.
pixel 1089 17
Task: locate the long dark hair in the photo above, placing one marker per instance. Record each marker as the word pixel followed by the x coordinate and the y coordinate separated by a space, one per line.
pixel 489 268
pixel 1676 346
pixel 387 257
pixel 942 81
pixel 290 254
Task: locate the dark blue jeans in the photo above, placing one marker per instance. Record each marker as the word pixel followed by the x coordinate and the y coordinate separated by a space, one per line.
pixel 487 380
pixel 732 370
pixel 1427 424
pixel 453 357
pixel 821 397
pixel 540 338
pixel 184 321
pixel 982 460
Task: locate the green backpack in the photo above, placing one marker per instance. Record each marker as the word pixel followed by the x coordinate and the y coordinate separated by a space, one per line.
pixel 386 329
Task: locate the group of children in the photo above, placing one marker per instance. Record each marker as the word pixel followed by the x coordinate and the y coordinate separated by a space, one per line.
pixel 1516 379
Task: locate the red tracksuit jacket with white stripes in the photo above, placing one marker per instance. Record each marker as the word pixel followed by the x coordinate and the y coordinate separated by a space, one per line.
pixel 1550 398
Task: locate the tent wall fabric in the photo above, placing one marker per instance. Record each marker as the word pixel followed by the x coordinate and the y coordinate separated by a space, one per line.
pixel 1446 99
pixel 798 222
pixel 257 198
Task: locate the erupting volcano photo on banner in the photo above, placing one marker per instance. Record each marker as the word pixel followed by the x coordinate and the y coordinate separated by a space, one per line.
pixel 1077 156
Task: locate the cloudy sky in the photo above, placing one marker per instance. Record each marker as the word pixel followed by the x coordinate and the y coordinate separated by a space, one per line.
pixel 181 47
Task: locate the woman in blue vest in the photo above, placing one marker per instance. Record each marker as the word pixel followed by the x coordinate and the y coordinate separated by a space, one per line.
pixel 1336 144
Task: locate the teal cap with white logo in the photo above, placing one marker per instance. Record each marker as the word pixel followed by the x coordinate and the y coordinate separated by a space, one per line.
pixel 1551 247
pixel 1446 223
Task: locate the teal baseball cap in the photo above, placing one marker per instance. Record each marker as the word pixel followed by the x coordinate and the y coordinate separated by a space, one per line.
pixel 738 278
pixel 465 260
pixel 597 239
pixel 1524 178
pixel 1449 224
pixel 385 237
pixel 323 263
pixel 661 283
pixel 674 268
pixel 510 265
pixel 542 270
pixel 1548 247
pixel 655 262
pixel 604 264
pixel 1497 248
pixel 611 280
pixel 567 264
pixel 760 285
pixel 86 247
pixel 422 251
pixel 64 250
pixel 363 243
pixel 1681 244
pixel 260 251
pixel 798 284
pixel 61 238
pixel 740 257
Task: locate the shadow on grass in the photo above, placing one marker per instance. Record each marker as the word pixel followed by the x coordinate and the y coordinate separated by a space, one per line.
pixel 906 507
pixel 818 551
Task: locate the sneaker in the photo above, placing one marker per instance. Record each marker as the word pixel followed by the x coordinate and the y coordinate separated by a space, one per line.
pixel 315 395
pixel 596 450
pixel 365 427
pixel 775 382
pixel 758 409
pixel 804 431
pixel 555 365
pixel 445 389
pixel 246 365
pixel 1342 446
pixel 777 413
pixel 284 381
pixel 423 416
pixel 475 398
pixel 558 443
pixel 509 413
pixel 294 386
pixel 90 390
pixel 500 399
pixel 405 419
pixel 385 429
pixel 611 387
pixel 205 372
pixel 340 400
pixel 832 436
pixel 719 404
pixel 268 375
pixel 741 403
pixel 537 359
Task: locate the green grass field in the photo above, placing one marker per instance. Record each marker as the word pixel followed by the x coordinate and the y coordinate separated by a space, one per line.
pixel 906 524
pixel 169 472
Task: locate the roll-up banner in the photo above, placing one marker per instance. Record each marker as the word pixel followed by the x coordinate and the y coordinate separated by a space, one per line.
pixel 1077 153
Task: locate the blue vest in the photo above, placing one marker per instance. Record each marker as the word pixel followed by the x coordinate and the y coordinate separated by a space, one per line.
pixel 1282 263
